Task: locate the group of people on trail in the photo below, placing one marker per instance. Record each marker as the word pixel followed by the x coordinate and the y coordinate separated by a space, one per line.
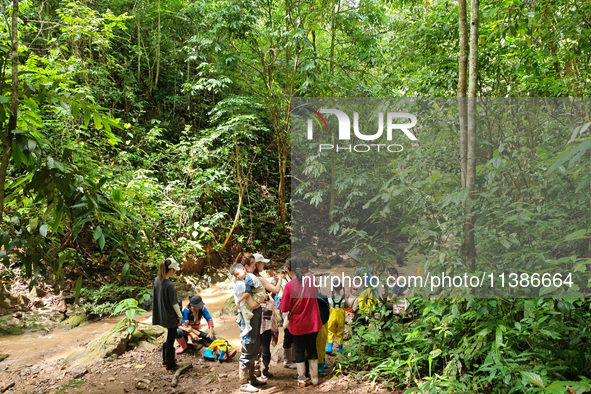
pixel 257 319
pixel 183 326
pixel 310 320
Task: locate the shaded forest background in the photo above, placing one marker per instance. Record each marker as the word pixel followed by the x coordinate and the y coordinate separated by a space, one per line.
pixel 154 128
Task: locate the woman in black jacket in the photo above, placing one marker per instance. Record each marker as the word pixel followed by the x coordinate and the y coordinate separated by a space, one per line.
pixel 166 311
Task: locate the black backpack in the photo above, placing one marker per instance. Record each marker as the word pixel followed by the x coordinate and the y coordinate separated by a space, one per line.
pixel 324 308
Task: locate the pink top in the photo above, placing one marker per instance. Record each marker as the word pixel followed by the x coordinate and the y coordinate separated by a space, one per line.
pixel 305 318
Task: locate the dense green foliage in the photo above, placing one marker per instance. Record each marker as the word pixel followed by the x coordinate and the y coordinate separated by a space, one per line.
pixel 105 300
pixel 479 345
pixel 152 128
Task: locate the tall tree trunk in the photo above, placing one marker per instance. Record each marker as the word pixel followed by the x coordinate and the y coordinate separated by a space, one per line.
pixel 332 156
pixel 471 143
pixel 7 146
pixel 463 106
pixel 139 45
pixel 282 126
pixel 333 20
pixel 283 156
pixel 242 183
pixel 462 84
pixel 158 49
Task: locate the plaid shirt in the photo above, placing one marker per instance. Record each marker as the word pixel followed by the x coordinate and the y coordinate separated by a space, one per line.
pixel 269 321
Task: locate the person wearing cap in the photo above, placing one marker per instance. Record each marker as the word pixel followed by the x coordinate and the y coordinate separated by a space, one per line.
pixel 166 311
pixel 362 268
pixel 269 326
pixel 260 261
pixel 252 341
pixel 192 315
pixel 252 263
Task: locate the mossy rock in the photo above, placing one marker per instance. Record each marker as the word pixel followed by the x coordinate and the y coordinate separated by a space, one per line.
pixel 229 307
pixel 74 321
pixel 148 333
pixel 11 330
pixel 145 346
pixel 111 343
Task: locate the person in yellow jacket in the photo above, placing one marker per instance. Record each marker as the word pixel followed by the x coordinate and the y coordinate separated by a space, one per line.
pixel 366 303
pixel 336 321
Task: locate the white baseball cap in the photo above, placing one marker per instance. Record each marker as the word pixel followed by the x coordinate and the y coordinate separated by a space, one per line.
pixel 259 258
pixel 173 264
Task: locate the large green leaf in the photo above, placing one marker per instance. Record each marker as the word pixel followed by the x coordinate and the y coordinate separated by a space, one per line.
pixel 571 153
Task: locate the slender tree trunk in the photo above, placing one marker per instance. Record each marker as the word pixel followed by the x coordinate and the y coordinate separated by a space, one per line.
pixel 158 48
pixel 462 84
pixel 7 145
pixel 282 184
pixel 282 125
pixel 236 217
pixel 242 183
pixel 332 182
pixel 463 105
pixel 332 156
pixel 139 46
pixel 333 34
pixel 471 143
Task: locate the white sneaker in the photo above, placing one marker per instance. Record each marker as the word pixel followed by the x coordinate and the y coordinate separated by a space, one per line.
pixel 249 388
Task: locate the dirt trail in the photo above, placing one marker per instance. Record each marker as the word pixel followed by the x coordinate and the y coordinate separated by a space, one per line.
pixel 36 347
pixel 225 326
pixel 37 363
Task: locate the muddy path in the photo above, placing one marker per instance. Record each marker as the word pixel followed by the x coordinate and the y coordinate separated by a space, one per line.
pixel 39 347
pixel 36 363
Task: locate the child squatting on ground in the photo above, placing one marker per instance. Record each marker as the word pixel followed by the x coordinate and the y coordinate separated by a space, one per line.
pixel 248 293
pixel 190 328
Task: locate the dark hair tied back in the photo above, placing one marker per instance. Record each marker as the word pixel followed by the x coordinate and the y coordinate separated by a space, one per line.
pixel 297 264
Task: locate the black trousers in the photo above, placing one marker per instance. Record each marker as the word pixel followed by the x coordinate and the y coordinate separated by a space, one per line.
pixel 168 355
pixel 170 337
pixel 305 344
pixel 266 344
pixel 287 339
